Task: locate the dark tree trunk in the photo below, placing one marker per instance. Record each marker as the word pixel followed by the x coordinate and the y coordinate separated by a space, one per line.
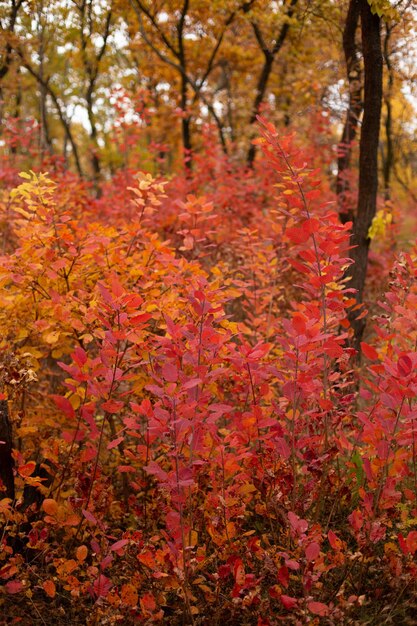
pixel 270 55
pixel 368 156
pixel 185 125
pixel 389 154
pixel 6 458
pixel 95 159
pixel 186 120
pixel 354 76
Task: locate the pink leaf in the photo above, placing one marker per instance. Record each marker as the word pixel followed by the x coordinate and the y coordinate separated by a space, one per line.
pixel 14 586
pixel 192 383
pixel 89 516
pixel 155 470
pixel 118 545
pixel 288 602
pixel 170 373
pixel 101 586
pixel 318 608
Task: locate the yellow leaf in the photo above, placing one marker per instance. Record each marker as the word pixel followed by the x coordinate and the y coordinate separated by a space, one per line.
pixel 25 175
pixel 52 337
pixel 192 539
pixel 18 209
pixel 5 505
pixel 75 400
pixel 26 430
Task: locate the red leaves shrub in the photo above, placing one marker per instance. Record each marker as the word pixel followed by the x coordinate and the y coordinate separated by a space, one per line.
pixel 199 399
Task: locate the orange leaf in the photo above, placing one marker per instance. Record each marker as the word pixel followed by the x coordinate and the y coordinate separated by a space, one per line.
pixel 27 469
pixel 50 507
pixel 318 608
pixel 81 553
pixel 49 588
pixel 129 595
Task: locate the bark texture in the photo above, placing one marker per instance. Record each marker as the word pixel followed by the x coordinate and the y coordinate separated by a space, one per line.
pixel 368 156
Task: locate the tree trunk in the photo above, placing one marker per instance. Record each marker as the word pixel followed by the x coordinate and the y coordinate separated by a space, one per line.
pixel 185 125
pixel 6 445
pixel 354 73
pixel 389 154
pixel 95 159
pixel 263 79
pixel 368 157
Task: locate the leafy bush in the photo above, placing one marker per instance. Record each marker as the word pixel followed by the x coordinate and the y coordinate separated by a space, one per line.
pixel 211 450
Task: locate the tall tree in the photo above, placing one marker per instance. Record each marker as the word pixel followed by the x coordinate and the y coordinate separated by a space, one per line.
pixel 355 105
pixel 269 52
pixel 166 33
pixel 368 155
pixel 7 28
pixel 89 26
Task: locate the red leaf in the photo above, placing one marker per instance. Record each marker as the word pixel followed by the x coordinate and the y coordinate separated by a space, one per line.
pixel 312 225
pixel 404 365
pixel 356 519
pixel 239 572
pixel 126 469
pixel 292 565
pixel 147 603
pixel 155 470
pixel 334 540
pixel 139 319
pixel 115 443
pixel 300 267
pixel 288 602
pixel 112 406
pixel 80 357
pixel 312 551
pixel 411 540
pixel 259 351
pixel 283 576
pixel 297 234
pixel 299 323
pixel 64 405
pixel 369 351
pixel 283 448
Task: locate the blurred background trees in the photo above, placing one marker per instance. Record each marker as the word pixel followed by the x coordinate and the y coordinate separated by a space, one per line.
pixel 79 78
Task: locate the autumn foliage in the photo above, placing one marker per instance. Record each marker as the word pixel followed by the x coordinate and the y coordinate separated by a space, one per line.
pixel 176 359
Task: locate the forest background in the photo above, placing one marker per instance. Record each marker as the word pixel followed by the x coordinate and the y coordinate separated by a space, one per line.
pixel 208 311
